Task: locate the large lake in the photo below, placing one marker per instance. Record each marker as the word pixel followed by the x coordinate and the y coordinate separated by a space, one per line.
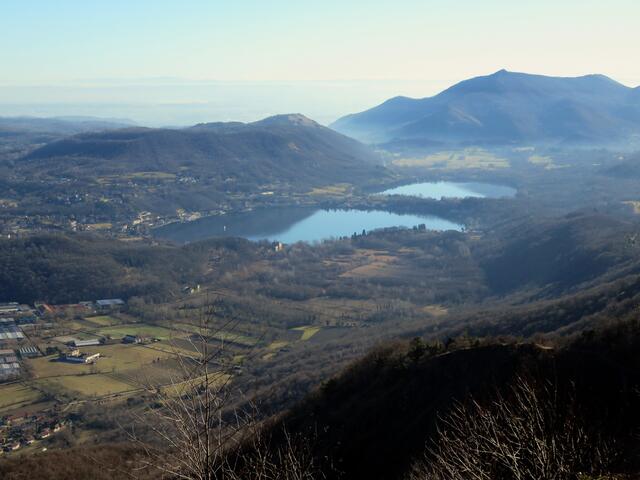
pixel 439 190
pixel 295 224
pixel 290 225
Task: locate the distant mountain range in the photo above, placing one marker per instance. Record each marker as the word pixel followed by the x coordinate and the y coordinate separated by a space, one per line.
pixel 18 133
pixel 281 148
pixel 57 126
pixel 505 108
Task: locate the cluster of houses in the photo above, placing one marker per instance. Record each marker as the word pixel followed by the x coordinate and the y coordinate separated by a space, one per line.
pixel 21 431
pixel 16 319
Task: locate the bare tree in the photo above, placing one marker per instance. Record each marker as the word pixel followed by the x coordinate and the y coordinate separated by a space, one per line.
pixel 531 433
pixel 192 431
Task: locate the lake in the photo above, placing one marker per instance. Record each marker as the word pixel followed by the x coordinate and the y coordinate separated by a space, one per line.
pixel 293 224
pixel 296 224
pixel 439 190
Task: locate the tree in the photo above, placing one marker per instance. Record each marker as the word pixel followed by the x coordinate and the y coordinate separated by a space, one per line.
pixel 195 434
pixel 531 433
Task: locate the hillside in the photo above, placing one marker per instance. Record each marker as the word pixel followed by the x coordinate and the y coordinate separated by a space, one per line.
pixel 559 254
pixel 287 148
pixel 374 420
pixel 505 108
pixel 380 417
pixel 64 269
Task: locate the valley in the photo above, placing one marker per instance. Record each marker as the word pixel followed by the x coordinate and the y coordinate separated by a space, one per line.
pixel 295 255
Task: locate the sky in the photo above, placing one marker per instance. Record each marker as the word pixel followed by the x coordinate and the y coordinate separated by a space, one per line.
pixel 162 61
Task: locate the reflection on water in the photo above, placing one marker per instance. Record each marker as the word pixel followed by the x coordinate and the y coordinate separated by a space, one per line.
pixel 289 225
pixel 438 190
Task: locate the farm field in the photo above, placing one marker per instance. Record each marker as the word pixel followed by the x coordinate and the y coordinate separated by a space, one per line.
pixel 139 329
pixel 277 345
pixel 103 320
pixel 113 358
pixel 221 335
pixel 456 160
pixel 17 395
pixel 307 331
pixel 85 385
pixel 79 325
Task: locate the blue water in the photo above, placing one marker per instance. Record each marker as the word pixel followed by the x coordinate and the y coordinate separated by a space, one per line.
pixel 290 225
pixel 439 190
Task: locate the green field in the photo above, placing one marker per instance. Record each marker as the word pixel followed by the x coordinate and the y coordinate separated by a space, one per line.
pixel 455 160
pixel 103 320
pixel 141 329
pixel 277 345
pixel 85 385
pixel 17 395
pixel 308 331
pixel 221 335
pixel 114 358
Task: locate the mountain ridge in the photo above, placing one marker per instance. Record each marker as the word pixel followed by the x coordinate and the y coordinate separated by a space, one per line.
pixel 505 107
pixel 282 147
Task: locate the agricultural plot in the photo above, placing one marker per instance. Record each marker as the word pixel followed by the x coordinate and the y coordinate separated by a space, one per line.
pixel 91 385
pixel 128 357
pixel 456 160
pixel 277 345
pixel 435 310
pixel 221 335
pixel 216 379
pixel 113 358
pixel 139 329
pixel 308 331
pixel 79 325
pixel 103 321
pixel 338 189
pixel 17 395
pixel 373 264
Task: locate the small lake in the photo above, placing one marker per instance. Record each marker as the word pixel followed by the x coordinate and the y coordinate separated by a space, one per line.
pixel 292 224
pixel 439 190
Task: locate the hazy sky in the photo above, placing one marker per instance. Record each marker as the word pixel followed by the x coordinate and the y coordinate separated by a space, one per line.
pixel 355 51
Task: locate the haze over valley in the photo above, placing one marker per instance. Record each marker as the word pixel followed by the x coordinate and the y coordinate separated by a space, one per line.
pixel 354 247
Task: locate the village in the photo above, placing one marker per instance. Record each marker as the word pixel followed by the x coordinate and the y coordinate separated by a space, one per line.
pixel 29 411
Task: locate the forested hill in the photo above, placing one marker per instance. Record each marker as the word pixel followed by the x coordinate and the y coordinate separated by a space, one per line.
pixel 381 415
pixel 286 148
pixel 68 269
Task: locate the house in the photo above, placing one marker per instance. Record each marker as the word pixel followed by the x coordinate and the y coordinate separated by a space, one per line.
pixel 110 303
pixel 90 342
pixel 76 357
pixel 189 290
pixel 9 308
pixel 9 370
pixel 10 332
pixel 29 352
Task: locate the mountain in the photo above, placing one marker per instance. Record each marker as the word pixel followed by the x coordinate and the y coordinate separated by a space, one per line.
pixel 280 148
pixel 505 108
